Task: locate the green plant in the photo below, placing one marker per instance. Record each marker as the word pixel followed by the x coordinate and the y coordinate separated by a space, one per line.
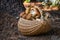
pixel 27 0
pixel 55 2
pixel 51 2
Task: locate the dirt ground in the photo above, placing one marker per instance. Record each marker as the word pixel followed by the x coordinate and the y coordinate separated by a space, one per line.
pixel 9 30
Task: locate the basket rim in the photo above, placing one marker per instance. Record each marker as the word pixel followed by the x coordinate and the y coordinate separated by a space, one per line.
pixel 30 20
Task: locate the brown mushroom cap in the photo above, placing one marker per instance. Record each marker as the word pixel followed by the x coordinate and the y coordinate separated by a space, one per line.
pixel 21 14
pixel 28 17
pixel 55 8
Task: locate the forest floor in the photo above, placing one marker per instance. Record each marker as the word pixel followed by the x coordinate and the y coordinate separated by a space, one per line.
pixel 9 30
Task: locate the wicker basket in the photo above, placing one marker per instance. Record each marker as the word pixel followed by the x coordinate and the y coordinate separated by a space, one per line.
pixel 28 27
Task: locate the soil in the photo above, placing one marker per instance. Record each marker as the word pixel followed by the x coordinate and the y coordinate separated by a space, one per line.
pixel 9 30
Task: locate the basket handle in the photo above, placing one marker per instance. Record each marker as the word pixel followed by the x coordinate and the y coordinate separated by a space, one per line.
pixel 42 14
pixel 40 11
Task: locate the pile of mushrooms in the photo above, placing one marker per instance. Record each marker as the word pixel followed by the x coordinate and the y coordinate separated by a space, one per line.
pixel 33 13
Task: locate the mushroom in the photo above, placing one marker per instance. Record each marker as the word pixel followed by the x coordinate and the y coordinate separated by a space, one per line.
pixel 29 16
pixel 27 10
pixel 24 16
pixel 21 14
pixel 35 12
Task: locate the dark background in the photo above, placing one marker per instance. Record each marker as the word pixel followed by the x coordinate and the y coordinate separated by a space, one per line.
pixel 14 7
